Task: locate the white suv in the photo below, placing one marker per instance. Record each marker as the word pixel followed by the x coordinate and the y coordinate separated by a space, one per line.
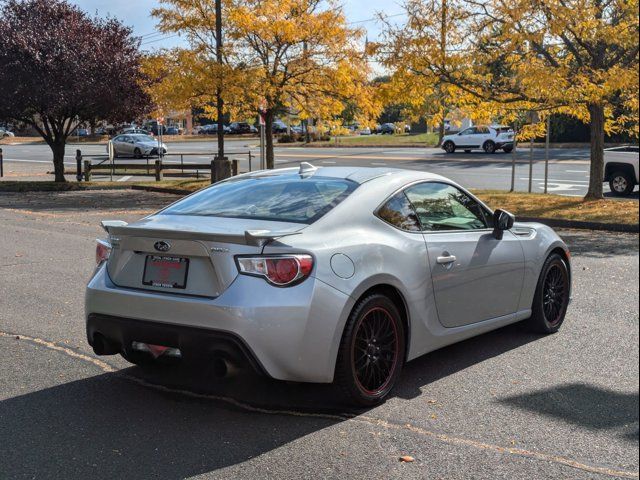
pixel 489 139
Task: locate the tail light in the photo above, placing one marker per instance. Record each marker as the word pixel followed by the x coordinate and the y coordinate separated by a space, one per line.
pixel 103 250
pixel 280 270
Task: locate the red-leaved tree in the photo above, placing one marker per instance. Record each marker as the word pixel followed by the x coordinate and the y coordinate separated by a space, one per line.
pixel 59 68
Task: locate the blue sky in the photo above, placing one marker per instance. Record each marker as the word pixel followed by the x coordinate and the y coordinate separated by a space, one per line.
pixel 135 13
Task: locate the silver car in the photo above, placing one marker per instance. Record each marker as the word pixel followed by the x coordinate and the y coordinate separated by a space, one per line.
pixel 137 145
pixel 321 275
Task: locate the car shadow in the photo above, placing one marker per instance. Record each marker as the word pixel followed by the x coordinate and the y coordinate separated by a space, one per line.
pixel 584 405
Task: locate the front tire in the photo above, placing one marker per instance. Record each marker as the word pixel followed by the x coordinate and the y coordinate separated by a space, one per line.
pixel 137 153
pixel 622 183
pixel 372 351
pixel 551 299
pixel 508 149
pixel 449 147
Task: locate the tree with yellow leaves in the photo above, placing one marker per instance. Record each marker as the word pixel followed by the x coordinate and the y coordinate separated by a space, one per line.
pixel 578 57
pixel 290 55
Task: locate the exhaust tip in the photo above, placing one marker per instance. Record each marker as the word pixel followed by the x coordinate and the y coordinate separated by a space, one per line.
pixel 220 367
pixel 102 346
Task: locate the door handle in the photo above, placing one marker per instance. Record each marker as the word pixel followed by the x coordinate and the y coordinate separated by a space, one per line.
pixel 447 259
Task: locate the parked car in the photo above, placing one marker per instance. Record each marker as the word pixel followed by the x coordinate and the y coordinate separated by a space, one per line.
pixel 173 131
pixel 6 133
pixel 321 274
pixel 279 127
pixel 80 132
pixel 364 131
pixel 136 145
pixel 621 169
pixel 490 139
pixel 239 128
pixel 212 129
pixel 388 128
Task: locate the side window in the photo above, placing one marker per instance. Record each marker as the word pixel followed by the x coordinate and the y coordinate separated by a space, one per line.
pixel 468 131
pixel 482 130
pixel 443 207
pixel 399 213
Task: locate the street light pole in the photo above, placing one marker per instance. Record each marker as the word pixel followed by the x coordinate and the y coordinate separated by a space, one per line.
pixel 220 169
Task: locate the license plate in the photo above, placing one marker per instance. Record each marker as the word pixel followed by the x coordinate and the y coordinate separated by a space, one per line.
pixel 165 272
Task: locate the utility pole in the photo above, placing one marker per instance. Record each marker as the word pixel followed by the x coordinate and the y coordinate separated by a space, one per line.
pixel 222 170
pixel 443 51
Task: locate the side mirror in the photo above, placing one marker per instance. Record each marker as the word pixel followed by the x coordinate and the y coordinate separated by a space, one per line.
pixel 502 220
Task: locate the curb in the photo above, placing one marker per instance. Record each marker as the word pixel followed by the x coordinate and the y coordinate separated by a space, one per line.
pixel 171 191
pixel 579 225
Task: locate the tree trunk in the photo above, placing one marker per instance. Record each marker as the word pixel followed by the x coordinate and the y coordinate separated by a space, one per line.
pixel 58 147
pixel 440 133
pixel 271 163
pixel 596 174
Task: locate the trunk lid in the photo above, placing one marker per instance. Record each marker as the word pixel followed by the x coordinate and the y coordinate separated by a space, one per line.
pixel 194 254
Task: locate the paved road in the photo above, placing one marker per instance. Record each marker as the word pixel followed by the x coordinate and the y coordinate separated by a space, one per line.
pixel 568 170
pixel 505 405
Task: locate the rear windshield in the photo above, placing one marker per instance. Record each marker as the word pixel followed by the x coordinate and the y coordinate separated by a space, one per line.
pixel 279 198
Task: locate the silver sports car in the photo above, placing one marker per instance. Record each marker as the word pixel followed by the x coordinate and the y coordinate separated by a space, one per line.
pixel 321 275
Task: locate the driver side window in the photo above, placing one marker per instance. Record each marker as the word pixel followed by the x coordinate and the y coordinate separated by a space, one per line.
pixel 441 207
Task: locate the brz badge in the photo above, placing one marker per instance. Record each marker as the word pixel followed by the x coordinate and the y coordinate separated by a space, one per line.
pixel 162 246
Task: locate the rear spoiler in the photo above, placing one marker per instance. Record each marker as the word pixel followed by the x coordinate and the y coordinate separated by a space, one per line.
pixel 255 238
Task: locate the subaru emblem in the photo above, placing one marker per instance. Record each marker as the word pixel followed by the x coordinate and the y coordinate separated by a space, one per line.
pixel 162 246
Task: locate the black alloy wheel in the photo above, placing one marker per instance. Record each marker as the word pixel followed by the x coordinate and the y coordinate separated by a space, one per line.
pixel 551 299
pixel 372 351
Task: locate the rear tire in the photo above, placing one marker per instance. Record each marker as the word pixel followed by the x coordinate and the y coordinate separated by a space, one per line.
pixel 489 146
pixel 622 183
pixel 508 149
pixel 449 147
pixel 551 299
pixel 137 153
pixel 372 351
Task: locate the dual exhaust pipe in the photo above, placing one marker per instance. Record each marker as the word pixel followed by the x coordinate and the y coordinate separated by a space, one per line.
pixel 221 366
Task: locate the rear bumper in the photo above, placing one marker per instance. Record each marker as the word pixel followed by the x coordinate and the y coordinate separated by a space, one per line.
pixel 288 333
pixel 504 144
pixel 196 344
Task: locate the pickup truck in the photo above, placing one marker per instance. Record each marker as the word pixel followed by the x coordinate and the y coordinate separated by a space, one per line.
pixel 621 169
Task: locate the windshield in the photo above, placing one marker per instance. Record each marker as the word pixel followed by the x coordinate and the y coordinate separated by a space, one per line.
pixel 282 198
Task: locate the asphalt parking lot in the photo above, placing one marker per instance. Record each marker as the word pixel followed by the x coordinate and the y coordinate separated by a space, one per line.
pixel 507 404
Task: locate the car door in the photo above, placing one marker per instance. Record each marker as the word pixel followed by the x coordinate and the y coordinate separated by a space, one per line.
pixel 119 147
pixel 480 135
pixel 475 276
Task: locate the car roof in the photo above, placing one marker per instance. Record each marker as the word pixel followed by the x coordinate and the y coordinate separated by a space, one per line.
pixel 358 175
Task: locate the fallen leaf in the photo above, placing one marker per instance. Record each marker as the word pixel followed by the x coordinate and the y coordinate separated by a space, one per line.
pixel 407 459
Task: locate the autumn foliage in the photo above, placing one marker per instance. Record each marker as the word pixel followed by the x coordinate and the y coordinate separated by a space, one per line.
pixel 296 56
pixel 498 59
